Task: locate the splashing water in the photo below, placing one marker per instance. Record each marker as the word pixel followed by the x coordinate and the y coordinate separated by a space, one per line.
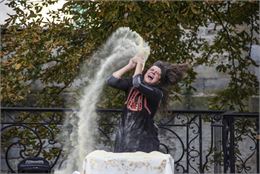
pixel 115 53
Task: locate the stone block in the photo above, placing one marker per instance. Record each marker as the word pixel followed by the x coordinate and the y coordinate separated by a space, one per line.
pixel 254 104
pixel 4 167
pixel 199 84
pixel 206 72
pixel 192 102
pixel 215 84
pixel 209 85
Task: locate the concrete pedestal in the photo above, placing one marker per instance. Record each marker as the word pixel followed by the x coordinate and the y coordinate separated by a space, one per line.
pixel 102 162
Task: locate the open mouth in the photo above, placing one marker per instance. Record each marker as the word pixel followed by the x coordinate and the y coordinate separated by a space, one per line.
pixel 150 77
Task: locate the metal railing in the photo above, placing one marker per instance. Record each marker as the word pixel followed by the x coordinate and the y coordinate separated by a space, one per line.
pixel 199 141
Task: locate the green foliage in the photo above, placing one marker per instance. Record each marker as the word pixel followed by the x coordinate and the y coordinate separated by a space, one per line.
pixel 51 51
pixel 30 43
pixel 39 53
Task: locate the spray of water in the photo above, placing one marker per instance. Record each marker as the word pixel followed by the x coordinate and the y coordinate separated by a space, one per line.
pixel 116 52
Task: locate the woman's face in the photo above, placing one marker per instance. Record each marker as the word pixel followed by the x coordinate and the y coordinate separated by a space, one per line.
pixel 153 75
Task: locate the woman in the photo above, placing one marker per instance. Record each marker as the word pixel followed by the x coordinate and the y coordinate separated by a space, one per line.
pixel 137 131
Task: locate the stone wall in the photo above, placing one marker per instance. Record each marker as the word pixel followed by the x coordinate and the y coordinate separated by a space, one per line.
pixel 209 81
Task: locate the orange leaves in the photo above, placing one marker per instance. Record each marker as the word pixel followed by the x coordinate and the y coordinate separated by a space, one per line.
pixel 211 2
pixel 17 66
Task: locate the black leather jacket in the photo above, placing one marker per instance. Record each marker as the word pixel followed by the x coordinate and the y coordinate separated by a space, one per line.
pixel 137 131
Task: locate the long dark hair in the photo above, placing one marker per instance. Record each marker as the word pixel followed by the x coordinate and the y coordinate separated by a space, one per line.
pixel 171 74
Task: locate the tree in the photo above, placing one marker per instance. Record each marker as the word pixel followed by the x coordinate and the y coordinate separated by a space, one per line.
pixel 171 28
pixel 42 57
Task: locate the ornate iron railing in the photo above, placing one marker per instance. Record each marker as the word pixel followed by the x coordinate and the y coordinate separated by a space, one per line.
pixel 199 141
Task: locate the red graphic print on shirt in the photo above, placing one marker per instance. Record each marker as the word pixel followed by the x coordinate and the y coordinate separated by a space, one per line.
pixel 135 101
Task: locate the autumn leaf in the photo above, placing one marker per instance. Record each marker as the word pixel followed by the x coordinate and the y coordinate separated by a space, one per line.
pixel 18 66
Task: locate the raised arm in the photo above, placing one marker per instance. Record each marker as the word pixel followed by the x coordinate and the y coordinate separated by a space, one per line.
pixel 139 59
pixel 117 82
pixel 119 73
pixel 150 92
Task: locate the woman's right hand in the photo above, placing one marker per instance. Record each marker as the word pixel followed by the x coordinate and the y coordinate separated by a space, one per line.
pixel 131 64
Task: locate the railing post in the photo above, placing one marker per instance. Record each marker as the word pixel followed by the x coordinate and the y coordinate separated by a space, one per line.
pixel 200 144
pixel 232 146
pixel 257 145
pixel 225 143
pixel 217 148
pixel 228 143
